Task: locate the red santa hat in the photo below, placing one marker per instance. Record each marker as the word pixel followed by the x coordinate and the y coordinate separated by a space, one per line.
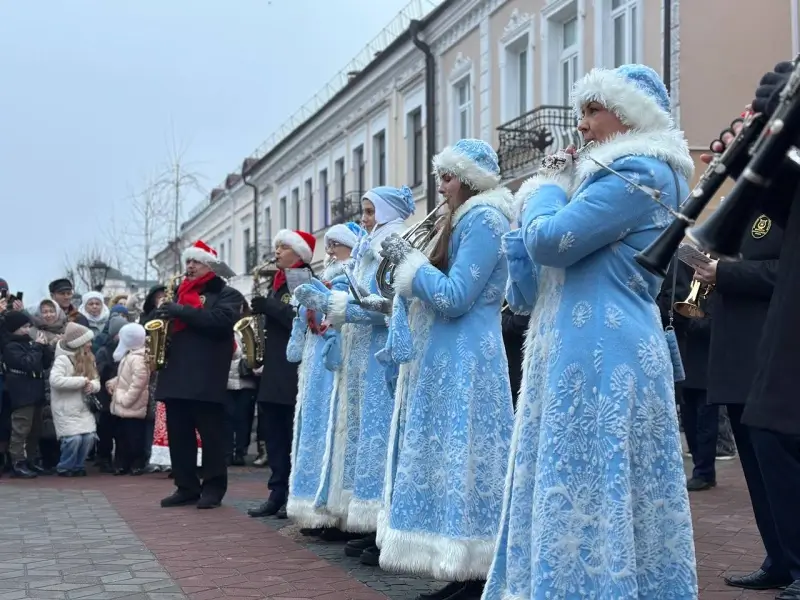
pixel 301 242
pixel 200 252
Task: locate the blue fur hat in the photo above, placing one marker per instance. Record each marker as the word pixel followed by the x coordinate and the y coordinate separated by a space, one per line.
pixel 473 161
pixel 346 234
pixel 635 93
pixel 391 203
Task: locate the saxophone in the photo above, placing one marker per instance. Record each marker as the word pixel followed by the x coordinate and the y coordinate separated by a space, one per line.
pixel 251 328
pixel 158 332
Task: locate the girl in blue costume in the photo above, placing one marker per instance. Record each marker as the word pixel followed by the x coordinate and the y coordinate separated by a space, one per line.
pixel 453 415
pixel 310 344
pixel 356 456
pixel 596 503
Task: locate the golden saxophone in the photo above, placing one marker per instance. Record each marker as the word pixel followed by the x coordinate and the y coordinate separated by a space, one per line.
pixel 251 328
pixel 158 332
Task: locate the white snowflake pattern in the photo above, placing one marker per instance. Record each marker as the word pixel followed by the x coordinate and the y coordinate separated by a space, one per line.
pixel 581 313
pixel 567 241
pixel 637 284
pixel 475 272
pixel 441 301
pixel 661 217
pixel 491 293
pixel 496 222
pixel 634 179
pixel 613 317
pixel 651 357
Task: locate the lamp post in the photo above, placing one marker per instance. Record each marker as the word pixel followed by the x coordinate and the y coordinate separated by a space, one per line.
pixel 98 271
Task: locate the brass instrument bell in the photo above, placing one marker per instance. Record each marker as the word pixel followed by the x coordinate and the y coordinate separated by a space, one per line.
pixel 690 308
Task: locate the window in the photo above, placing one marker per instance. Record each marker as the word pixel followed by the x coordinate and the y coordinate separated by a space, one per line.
pixel 341 178
pixel 309 202
pixel 379 159
pixel 463 108
pixel 323 192
pixel 268 228
pixel 296 207
pixel 358 170
pixel 222 256
pixel 624 32
pixel 516 75
pixel 569 58
pixel 283 213
pixel 415 150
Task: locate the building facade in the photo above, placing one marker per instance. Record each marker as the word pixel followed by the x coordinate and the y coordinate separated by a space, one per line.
pixel 503 71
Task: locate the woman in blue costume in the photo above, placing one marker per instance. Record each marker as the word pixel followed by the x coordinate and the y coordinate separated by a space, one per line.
pixel 449 449
pixel 310 343
pixel 355 459
pixel 596 503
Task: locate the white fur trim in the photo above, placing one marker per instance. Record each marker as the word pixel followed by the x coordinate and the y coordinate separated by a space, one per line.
pixel 362 516
pixel 467 170
pixel 404 272
pixel 341 233
pixel 634 107
pixel 302 512
pixel 80 340
pixel 159 455
pixel 198 255
pixel 500 198
pixel 669 146
pixel 436 556
pixel 337 307
pixel 532 184
pixel 295 242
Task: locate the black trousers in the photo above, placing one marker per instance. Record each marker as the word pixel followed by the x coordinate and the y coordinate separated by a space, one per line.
pixel 105 436
pixel 208 418
pixel 241 412
pixel 129 439
pixel 278 430
pixel 701 426
pixel 776 505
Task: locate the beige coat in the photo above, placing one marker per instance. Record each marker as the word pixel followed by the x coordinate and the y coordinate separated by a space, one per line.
pixel 131 390
pixel 71 416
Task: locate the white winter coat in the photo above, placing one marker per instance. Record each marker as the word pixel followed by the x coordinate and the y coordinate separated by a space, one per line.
pixel 131 386
pixel 70 413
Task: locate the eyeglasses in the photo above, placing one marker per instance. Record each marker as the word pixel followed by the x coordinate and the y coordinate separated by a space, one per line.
pixel 332 245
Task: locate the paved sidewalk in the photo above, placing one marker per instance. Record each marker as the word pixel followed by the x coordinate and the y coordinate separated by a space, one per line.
pixel 103 537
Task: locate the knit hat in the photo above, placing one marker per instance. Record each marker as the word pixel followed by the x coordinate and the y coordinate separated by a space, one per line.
pixel 14 319
pixel 301 242
pixel 119 309
pixel 473 161
pixel 391 203
pixel 116 323
pixel 76 336
pixel 635 93
pixel 60 285
pixel 347 234
pixel 131 337
pixel 200 252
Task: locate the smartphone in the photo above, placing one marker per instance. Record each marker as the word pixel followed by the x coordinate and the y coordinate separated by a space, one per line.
pixel 4 294
pixel 19 296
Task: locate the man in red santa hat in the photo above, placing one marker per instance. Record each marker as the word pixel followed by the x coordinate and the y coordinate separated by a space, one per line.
pixel 194 381
pixel 277 391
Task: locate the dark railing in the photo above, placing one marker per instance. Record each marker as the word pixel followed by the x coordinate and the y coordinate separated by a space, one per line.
pixel 250 258
pixel 267 251
pixel 527 139
pixel 344 210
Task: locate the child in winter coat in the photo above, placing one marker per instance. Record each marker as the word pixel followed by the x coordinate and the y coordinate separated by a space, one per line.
pixel 73 378
pixel 25 362
pixel 129 397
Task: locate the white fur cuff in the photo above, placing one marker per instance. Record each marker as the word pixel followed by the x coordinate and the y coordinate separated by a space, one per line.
pixel 532 185
pixel 404 273
pixel 337 307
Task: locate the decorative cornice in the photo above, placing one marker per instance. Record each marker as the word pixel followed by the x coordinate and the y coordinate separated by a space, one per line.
pixel 516 26
pixel 461 67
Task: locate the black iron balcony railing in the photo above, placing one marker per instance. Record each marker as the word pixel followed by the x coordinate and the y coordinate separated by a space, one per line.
pixel 344 210
pixel 527 139
pixel 250 258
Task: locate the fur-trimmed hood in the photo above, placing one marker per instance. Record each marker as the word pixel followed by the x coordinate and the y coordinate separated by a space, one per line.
pixel 500 198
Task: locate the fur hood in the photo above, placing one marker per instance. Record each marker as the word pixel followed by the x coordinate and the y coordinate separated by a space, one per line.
pixel 500 198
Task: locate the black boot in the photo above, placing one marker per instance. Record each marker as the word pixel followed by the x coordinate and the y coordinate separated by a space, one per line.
pixel 269 508
pixel 37 467
pixel 371 556
pixel 180 498
pixel 355 548
pixel 21 470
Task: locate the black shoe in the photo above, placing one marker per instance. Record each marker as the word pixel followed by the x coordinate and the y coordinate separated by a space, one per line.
pixel 80 472
pixel 237 460
pixel 207 502
pixel 355 548
pixel 121 472
pixel 332 534
pixel 311 531
pixel 20 470
pixel 759 580
pixel 136 472
pixel 790 593
pixel 695 484
pixel 37 467
pixel 66 473
pixel 451 590
pixel 371 556
pixel 180 498
pixel 282 514
pixel 269 508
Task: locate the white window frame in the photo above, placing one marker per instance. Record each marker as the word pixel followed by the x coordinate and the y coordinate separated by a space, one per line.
pixel 518 36
pixel 376 158
pixel 413 103
pixel 552 30
pixel 463 72
pixel 604 32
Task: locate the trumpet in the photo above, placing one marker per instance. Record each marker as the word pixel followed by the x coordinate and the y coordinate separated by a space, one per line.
pixel 157 332
pixel 690 308
pixel 252 328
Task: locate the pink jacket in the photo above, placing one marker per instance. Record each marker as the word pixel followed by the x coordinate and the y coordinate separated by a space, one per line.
pixel 131 392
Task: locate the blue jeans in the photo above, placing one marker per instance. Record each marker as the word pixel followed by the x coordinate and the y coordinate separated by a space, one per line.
pixel 74 450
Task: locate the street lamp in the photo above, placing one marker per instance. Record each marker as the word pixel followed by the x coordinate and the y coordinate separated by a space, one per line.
pixel 98 271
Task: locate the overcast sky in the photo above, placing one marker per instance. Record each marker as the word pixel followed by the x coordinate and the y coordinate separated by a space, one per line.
pixel 91 89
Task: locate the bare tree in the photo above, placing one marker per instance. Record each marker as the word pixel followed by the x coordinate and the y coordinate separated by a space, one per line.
pixel 88 268
pixel 150 216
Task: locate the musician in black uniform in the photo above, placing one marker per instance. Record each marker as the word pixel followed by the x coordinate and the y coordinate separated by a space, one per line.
pixel 277 390
pixel 772 410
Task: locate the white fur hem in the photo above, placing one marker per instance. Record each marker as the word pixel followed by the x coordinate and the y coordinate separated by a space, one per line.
pixel 633 106
pixel 404 272
pixel 198 255
pixel 362 516
pixel 436 556
pixel 337 307
pixel 500 198
pixel 531 185
pixel 295 242
pixel 159 455
pixel 466 169
pixel 302 512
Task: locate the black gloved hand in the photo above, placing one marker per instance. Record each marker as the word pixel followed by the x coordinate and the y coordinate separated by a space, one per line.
pixel 258 305
pixel 769 88
pixel 172 309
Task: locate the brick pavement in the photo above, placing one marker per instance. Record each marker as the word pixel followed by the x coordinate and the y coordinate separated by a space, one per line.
pixel 102 538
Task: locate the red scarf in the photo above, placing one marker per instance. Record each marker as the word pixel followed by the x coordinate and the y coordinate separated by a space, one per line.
pixel 189 295
pixel 280 276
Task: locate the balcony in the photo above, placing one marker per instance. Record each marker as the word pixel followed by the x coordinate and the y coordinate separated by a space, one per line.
pixel 344 210
pixel 527 139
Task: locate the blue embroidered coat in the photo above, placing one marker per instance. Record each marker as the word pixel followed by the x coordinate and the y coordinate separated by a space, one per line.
pixel 596 503
pixel 453 415
pixel 312 416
